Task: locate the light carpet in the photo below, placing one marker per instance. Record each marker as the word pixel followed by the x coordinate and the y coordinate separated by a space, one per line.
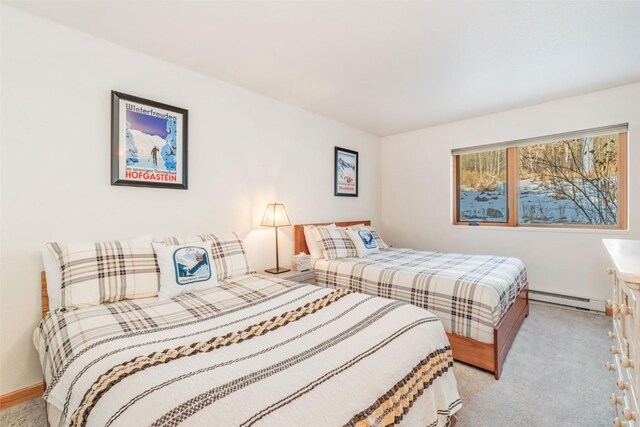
pixel 553 376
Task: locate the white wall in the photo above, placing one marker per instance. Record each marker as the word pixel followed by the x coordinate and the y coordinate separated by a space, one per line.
pixel 245 150
pixel 416 191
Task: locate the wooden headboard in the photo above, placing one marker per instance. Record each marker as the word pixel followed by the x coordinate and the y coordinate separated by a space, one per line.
pixel 43 293
pixel 300 243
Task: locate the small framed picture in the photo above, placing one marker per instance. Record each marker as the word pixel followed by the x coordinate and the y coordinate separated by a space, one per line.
pixel 148 143
pixel 346 173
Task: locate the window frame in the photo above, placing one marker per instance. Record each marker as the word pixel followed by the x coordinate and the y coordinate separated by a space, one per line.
pixel 513 175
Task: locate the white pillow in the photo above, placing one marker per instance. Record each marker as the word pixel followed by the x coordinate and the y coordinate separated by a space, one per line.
pixel 54 276
pixel 381 243
pixel 312 244
pixel 229 257
pixel 185 268
pixel 364 242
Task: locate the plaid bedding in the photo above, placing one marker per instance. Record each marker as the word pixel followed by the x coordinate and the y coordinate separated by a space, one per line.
pixel 469 293
pixel 334 242
pixel 253 351
pixel 96 273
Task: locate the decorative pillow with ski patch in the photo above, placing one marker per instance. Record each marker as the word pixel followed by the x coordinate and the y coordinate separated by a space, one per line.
pixel 185 268
pixel 364 241
pixel 229 256
pixel 381 243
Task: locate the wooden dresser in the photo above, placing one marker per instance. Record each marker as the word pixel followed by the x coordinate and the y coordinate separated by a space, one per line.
pixel 625 335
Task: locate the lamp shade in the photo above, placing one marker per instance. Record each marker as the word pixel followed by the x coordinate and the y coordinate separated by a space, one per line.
pixel 275 216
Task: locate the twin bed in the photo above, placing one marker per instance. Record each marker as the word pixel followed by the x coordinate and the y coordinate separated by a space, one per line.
pixel 481 300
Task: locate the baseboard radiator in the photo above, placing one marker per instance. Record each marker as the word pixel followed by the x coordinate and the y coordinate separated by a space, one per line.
pixel 567 300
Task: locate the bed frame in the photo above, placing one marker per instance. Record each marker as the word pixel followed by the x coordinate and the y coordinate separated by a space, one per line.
pixel 489 357
pixel 44 296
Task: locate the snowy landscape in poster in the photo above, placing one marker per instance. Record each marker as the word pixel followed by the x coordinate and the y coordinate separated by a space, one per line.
pixel 152 136
pixel 346 164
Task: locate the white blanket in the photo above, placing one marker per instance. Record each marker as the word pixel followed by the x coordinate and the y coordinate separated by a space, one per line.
pixel 255 351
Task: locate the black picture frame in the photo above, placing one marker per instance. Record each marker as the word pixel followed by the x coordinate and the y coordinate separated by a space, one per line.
pixel 341 176
pixel 165 167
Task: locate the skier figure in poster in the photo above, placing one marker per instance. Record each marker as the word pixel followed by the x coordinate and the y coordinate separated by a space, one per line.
pixel 154 156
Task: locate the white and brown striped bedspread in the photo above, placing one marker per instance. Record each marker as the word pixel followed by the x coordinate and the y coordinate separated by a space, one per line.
pixel 252 352
pixel 469 293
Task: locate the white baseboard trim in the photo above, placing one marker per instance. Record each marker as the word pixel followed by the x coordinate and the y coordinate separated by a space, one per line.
pixel 568 300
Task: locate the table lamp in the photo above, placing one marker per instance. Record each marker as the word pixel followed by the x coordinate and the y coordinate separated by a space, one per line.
pixel 276 216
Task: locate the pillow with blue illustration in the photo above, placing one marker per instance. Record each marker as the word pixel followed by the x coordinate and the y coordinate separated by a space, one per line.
pixel 381 243
pixel 185 268
pixel 364 241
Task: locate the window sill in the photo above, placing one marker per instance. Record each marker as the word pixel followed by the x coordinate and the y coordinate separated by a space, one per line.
pixel 542 229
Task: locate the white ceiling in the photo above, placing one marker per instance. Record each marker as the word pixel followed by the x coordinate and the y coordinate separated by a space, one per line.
pixel 385 67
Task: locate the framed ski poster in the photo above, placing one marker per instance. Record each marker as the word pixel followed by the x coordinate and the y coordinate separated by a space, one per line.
pixel 148 143
pixel 345 173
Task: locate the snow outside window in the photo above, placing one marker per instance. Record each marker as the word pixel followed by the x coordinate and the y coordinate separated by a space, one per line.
pixel 576 180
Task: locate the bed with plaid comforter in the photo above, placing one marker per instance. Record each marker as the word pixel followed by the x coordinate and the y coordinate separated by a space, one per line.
pixel 469 293
pixel 253 351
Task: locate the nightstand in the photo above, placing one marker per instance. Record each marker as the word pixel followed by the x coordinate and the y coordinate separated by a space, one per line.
pixel 308 276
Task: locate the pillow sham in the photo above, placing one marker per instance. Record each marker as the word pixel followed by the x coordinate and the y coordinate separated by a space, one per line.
pixel 312 244
pixel 54 275
pixel 334 243
pixel 381 243
pixel 364 242
pixel 185 268
pixel 229 257
pixel 102 272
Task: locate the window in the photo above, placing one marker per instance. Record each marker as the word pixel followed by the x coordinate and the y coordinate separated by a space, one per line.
pixel 482 187
pixel 573 180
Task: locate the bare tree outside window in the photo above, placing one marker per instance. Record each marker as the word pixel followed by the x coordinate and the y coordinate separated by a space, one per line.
pixel 579 182
pixel 570 182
